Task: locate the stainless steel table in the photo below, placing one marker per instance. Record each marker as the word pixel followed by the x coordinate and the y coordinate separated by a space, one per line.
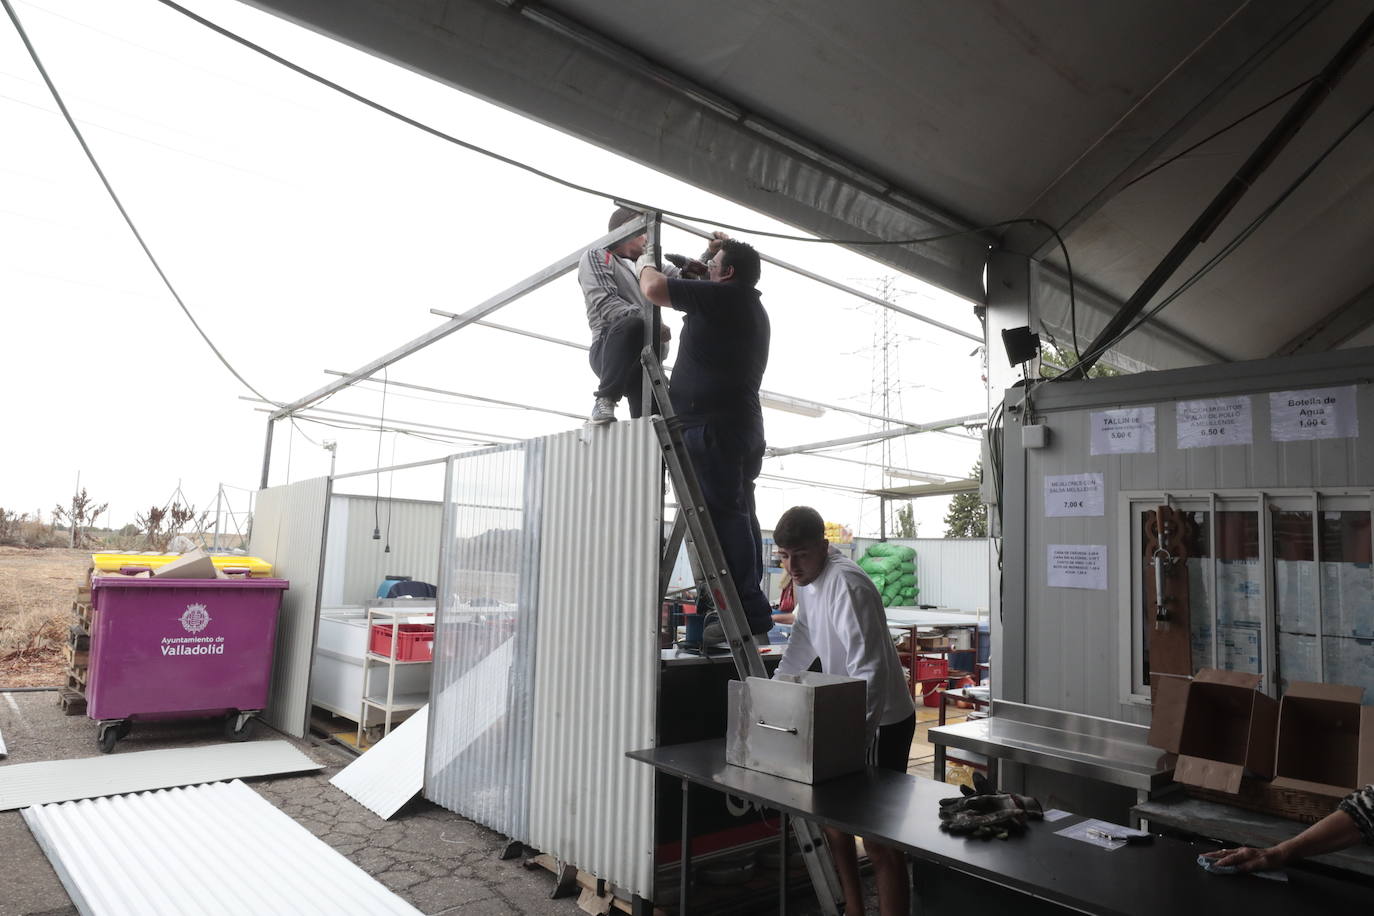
pixel 1088 746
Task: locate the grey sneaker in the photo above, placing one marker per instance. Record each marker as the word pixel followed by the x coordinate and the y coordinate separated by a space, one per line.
pixel 603 411
pixel 714 635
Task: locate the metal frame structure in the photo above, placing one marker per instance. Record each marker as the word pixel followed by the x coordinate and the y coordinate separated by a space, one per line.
pixel 650 223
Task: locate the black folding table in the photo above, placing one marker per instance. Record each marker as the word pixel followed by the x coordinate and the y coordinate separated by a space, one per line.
pixel 1064 874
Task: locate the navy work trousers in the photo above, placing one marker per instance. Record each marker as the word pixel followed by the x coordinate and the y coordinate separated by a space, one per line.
pixel 727 460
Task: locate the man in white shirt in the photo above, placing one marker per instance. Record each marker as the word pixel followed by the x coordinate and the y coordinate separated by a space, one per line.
pixel 840 620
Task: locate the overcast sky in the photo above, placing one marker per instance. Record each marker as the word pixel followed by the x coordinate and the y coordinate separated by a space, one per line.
pixel 307 233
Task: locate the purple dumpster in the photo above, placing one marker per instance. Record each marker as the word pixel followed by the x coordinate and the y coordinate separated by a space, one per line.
pixel 180 648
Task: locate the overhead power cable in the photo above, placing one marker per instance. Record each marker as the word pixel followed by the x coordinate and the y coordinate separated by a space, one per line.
pixel 109 188
pixel 1226 250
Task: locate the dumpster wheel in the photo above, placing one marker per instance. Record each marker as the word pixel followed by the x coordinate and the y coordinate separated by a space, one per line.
pixel 238 726
pixel 110 732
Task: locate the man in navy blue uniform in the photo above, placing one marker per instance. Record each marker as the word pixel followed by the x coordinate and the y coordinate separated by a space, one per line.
pixel 715 391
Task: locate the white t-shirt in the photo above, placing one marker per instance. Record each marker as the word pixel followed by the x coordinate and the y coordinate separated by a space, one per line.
pixel 840 619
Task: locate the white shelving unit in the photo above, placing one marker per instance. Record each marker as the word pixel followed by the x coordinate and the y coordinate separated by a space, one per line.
pixel 386 700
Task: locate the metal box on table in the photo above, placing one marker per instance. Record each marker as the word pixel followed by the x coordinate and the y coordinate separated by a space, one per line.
pixel 808 728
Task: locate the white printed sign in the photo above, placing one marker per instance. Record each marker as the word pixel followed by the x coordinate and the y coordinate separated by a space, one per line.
pixel 1215 421
pixel 1316 413
pixel 1073 494
pixel 1130 430
pixel 1078 566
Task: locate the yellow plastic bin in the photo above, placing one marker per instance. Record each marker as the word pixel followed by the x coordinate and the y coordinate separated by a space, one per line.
pixel 114 562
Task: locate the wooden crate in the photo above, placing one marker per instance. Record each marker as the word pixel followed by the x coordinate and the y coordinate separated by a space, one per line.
pixel 1257 795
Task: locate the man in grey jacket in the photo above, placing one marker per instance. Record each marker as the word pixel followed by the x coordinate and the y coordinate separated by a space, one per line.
pixel 615 310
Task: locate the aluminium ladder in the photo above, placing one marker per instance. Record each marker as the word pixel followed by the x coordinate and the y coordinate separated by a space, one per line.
pixel 694 521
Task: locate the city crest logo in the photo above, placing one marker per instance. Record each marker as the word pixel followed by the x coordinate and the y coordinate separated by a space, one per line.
pixel 195 618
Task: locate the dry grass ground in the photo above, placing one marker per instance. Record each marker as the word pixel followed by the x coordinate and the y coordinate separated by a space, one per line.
pixel 36 592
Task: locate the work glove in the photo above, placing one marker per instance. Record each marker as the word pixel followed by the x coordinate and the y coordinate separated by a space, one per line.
pixel 648 259
pixel 998 815
pixel 676 260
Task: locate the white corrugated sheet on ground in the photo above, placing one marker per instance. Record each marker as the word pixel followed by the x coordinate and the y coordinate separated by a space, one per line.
pixel 4 751
pixel 392 772
pixel 219 848
pixel 48 781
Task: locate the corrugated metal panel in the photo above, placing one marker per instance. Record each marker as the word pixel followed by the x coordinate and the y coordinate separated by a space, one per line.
pixel 288 531
pixel 4 751
pixel 950 572
pixel 478 760
pixel 218 848
pixel 392 772
pixel 597 657
pixel 24 784
pixel 356 563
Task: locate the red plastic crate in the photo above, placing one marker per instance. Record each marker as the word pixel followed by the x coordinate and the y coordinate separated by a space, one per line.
pixel 931 667
pixel 414 641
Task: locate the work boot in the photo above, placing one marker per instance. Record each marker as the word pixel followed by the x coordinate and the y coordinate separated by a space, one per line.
pixel 603 411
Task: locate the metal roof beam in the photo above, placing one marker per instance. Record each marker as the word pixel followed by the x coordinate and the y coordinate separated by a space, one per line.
pixel 877 436
pixel 1333 328
pixel 458 322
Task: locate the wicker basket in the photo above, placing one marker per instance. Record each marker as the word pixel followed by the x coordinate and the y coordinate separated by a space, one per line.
pixel 1257 795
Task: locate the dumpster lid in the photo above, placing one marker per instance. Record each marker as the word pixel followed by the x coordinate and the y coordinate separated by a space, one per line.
pixel 117 581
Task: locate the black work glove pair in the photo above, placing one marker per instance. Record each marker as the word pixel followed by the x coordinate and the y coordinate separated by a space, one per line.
pixel 982 813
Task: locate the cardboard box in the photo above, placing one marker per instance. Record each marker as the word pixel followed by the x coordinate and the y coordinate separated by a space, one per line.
pixel 195 565
pixel 1218 724
pixel 808 728
pixel 1325 739
pixel 933 642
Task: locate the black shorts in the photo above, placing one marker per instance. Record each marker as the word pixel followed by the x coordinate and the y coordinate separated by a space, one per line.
pixel 893 747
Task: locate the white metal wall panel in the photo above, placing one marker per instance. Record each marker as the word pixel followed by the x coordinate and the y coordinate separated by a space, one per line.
pixel 479 758
pixel 24 784
pixel 219 848
pixel 356 563
pixel 288 531
pixel 950 572
pixel 1072 635
pixel 597 657
pixel 392 772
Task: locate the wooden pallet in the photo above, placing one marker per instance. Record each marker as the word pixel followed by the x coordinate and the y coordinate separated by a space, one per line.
pixel 73 702
pixel 76 658
pixel 76 679
pixel 571 879
pixel 81 613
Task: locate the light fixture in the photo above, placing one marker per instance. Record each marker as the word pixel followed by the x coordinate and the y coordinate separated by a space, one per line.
pixel 791 405
pixel 923 476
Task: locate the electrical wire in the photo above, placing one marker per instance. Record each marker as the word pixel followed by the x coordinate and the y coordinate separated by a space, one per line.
pixel 1217 133
pixel 567 183
pixel 1230 247
pixel 114 197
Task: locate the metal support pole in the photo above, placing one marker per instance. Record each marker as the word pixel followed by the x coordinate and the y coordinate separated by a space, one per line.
pixel 219 506
pixel 653 318
pixel 685 857
pixel 267 452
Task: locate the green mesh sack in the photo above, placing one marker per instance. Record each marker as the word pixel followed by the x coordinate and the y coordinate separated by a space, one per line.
pixel 888 566
pixel 879 580
pixel 887 601
pixel 881 549
pixel 907 581
pixel 908 567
